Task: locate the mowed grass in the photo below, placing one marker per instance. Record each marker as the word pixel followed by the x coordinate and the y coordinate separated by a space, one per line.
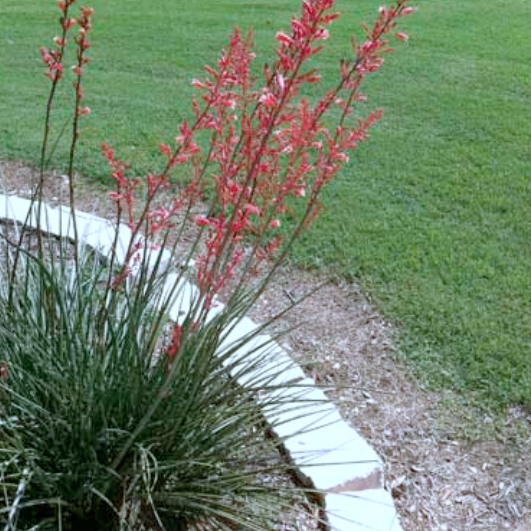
pixel 434 215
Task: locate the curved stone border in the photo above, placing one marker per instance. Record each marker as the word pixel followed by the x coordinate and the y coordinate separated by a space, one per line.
pixel 324 447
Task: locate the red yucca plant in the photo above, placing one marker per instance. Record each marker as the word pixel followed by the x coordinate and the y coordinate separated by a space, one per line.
pixel 115 415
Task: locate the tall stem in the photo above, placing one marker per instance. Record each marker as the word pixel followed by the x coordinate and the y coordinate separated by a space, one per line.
pixel 55 75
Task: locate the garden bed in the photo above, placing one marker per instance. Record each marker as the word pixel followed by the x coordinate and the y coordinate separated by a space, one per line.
pixel 442 475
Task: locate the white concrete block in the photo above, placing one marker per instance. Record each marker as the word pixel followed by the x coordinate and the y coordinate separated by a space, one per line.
pixel 17 209
pixel 14 208
pixel 279 365
pixel 58 221
pixel 144 254
pixel 323 476
pixel 216 308
pixel 54 223
pixel 241 328
pixel 161 259
pixel 47 222
pixel 86 223
pixel 333 461
pixel 370 510
pixel 239 352
pixel 182 295
pixel 106 237
pixel 315 408
pixel 343 469
pixel 252 345
pixel 62 226
pixel 287 372
pixel 90 235
pixel 333 443
pixel 86 216
pixel 241 344
pixel 267 372
pixel 321 443
pixel 272 366
pixel 98 233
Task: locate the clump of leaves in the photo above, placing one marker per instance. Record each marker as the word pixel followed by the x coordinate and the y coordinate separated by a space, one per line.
pixel 108 427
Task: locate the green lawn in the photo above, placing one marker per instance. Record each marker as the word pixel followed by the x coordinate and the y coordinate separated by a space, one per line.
pixel 433 218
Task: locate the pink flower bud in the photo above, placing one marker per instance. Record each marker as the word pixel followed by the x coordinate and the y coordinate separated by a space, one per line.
pixel 84 111
pixel 283 39
pixel 202 221
pixel 274 224
pixel 407 10
pixel 67 23
pixel 252 209
pixel 297 27
pixel 268 100
pixel 115 196
pixel 402 36
pixel 280 82
pixel 197 84
pixel 45 54
pixel 165 150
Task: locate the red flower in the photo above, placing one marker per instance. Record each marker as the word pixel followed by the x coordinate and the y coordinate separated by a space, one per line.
pixel 175 343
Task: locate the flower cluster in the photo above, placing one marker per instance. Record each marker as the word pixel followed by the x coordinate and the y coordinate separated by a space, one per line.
pixel 260 148
pixel 53 57
pixel 84 21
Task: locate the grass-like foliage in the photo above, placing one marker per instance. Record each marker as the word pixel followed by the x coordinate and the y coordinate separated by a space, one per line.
pixel 107 431
pixel 116 413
